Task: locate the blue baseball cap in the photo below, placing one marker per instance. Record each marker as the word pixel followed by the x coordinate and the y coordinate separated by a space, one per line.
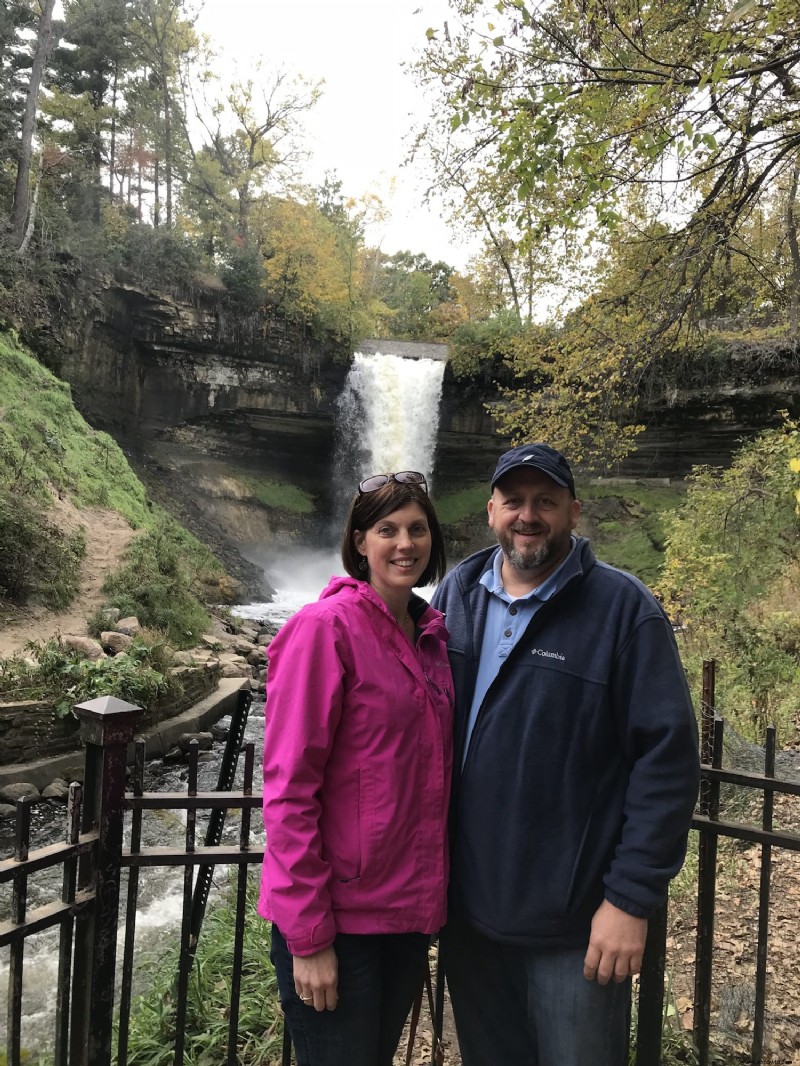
pixel 541 457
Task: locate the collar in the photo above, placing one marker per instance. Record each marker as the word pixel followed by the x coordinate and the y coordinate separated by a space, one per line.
pixel 492 579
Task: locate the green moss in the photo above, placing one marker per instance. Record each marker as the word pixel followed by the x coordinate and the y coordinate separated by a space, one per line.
pixel 466 503
pixel 279 494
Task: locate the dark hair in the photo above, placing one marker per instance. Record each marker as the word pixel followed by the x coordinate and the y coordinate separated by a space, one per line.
pixel 367 508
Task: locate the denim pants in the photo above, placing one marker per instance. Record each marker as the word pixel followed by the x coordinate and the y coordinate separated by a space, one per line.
pixel 527 1007
pixel 379 976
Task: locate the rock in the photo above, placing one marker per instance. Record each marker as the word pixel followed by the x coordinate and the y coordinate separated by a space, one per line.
pixel 7 811
pixel 236 670
pixel 204 741
pixel 111 614
pixel 57 789
pixel 231 657
pixel 210 640
pixel 130 626
pixel 173 755
pixel 115 642
pixel 193 657
pixel 255 685
pixel 85 647
pixel 242 646
pixel 257 657
pixel 220 732
pixel 18 790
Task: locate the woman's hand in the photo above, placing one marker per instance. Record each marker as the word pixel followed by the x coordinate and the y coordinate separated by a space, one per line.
pixel 316 978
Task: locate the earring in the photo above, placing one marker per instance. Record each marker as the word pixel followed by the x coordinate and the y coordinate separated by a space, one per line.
pixel 363 565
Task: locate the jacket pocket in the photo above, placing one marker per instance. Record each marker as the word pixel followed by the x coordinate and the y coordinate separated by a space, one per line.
pixel 342 829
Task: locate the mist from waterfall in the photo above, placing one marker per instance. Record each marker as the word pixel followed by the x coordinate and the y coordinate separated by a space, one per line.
pixel 387 418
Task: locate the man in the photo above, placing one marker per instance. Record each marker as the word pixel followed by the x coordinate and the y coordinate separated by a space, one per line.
pixel 577 748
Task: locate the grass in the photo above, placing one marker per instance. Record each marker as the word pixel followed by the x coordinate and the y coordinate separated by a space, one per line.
pixel 46 445
pixel 152 1022
pixel 278 494
pixel 466 503
pixel 634 538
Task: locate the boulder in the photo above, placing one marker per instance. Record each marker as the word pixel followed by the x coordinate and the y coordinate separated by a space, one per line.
pixel 242 645
pixel 204 741
pixel 238 669
pixel 7 811
pixel 257 657
pixel 57 789
pixel 130 626
pixel 85 647
pixel 114 642
pixel 17 790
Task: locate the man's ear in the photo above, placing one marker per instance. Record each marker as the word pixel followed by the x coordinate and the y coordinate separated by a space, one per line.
pixel 576 512
pixel 490 512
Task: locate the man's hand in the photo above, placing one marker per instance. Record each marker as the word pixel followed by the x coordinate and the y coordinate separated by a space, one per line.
pixel 316 978
pixel 616 945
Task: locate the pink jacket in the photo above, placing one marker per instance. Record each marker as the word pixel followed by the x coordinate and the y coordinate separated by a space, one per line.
pixel 357 765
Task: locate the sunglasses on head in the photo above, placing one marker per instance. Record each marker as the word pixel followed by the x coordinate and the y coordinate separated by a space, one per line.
pixel 402 477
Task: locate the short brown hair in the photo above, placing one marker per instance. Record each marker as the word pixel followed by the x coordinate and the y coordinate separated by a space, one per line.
pixel 367 508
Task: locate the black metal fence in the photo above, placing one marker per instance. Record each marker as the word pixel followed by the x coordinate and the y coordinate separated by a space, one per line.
pixel 93 984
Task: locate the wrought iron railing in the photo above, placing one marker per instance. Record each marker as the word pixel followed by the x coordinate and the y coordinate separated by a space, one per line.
pixel 94 985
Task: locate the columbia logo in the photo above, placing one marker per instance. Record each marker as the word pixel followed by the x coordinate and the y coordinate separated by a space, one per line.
pixel 548 654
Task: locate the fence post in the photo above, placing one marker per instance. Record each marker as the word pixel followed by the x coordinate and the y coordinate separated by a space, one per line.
pixel 650 1015
pixel 107 727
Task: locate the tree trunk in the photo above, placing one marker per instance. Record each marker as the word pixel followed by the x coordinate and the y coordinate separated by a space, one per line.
pixel 19 210
pixel 112 152
pixel 794 249
pixel 26 240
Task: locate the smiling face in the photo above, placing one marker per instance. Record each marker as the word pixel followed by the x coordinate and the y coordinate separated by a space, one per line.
pixel 532 518
pixel 397 549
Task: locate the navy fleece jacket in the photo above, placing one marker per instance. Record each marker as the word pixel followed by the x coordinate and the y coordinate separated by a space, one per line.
pixel 583 769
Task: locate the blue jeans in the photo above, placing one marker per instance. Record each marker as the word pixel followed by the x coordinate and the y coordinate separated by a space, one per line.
pixel 379 976
pixel 527 1007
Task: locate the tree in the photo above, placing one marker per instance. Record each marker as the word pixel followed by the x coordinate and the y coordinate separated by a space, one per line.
pixel 162 34
pixel 579 102
pixel 658 143
pixel 251 147
pixel 412 288
pixel 19 210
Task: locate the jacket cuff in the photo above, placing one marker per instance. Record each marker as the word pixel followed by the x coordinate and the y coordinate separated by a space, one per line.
pixel 322 936
pixel 627 905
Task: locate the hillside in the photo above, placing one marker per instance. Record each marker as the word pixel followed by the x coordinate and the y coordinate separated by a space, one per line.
pixel 72 513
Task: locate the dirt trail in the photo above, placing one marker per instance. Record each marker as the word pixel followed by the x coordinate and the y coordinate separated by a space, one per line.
pixel 108 534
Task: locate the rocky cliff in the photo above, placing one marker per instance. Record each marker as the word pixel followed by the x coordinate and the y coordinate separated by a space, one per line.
pixel 205 400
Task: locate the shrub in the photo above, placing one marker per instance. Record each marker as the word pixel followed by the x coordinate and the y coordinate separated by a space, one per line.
pixel 164 574
pixel 732 571
pixel 37 559
pixel 54 673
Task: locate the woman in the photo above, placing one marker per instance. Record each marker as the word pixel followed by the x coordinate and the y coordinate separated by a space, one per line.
pixel 357 764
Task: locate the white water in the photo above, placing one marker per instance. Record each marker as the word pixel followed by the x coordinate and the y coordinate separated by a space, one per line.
pixel 388 416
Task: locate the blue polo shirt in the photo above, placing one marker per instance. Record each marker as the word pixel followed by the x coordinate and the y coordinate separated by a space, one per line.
pixel 506 621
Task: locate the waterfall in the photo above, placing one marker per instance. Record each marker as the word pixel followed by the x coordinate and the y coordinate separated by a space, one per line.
pixel 388 417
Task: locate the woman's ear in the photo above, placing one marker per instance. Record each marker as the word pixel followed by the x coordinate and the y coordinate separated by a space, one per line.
pixel 358 539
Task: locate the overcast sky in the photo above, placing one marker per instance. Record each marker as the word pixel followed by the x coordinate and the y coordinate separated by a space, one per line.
pixel 360 127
